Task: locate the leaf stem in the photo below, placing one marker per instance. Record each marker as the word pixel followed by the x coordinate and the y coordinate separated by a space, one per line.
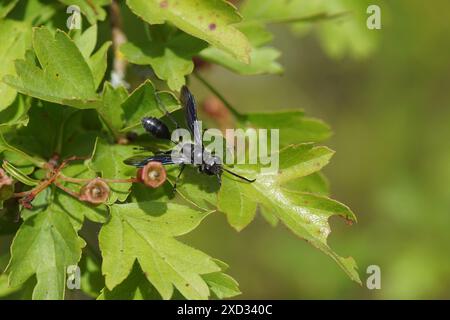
pixel 237 114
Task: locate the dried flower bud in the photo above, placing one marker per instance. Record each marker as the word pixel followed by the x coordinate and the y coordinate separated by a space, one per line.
pixel 95 191
pixel 152 174
pixel 26 201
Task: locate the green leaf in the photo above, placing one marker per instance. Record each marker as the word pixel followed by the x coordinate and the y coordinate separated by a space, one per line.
pixel 110 110
pixel 86 41
pixel 91 9
pixel 304 213
pixel 263 60
pixel 22 292
pixel 98 63
pixel 16 114
pixel 314 183
pixel 77 210
pixel 168 52
pixel 65 76
pixel 16 39
pixel 45 245
pixel 199 189
pixel 107 159
pixel 145 232
pixel 222 285
pixel 208 20
pixel 293 126
pixel 92 281
pixel 143 102
pixel 134 287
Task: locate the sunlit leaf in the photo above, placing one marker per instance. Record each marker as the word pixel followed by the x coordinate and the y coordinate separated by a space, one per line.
pixel 208 20
pixel 168 52
pixel 45 245
pixel 145 232
pixel 16 37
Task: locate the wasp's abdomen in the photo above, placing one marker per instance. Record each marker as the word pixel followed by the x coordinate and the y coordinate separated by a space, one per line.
pixel 156 128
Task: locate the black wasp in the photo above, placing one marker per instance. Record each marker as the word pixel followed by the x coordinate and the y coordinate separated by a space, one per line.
pixel 208 164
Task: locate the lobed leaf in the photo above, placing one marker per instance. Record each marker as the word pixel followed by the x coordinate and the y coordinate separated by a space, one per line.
pixel 64 76
pixel 145 232
pixel 45 245
pixel 16 39
pixel 304 213
pixel 168 52
pixel 208 20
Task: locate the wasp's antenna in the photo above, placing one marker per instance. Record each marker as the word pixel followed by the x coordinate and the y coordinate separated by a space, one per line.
pixel 236 175
pixel 163 108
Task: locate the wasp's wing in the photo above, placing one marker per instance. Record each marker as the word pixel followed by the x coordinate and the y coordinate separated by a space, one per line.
pixel 190 109
pixel 163 158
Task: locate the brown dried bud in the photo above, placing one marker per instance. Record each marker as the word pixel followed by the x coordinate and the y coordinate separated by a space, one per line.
pixel 152 174
pixel 95 191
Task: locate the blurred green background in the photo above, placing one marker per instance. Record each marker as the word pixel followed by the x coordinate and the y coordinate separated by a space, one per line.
pixel 386 95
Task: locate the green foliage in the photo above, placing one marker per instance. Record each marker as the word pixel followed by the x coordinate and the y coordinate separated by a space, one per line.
pixel 55 104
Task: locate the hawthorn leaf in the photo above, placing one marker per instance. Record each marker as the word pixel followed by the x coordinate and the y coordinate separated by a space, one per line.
pixel 92 10
pixel 22 292
pixel 263 60
pixel 145 232
pixel 16 37
pixel 98 63
pixel 211 21
pixel 304 213
pixel 222 285
pixel 87 40
pixel 65 76
pixel 110 110
pixel 107 159
pixel 134 287
pixel 168 52
pixel 56 137
pixel 293 126
pixel 92 281
pixel 315 183
pixel 16 114
pixel 143 102
pixel 197 188
pixel 45 245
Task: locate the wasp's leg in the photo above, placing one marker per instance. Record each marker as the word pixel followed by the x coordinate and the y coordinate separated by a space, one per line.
pixel 182 166
pixel 219 179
